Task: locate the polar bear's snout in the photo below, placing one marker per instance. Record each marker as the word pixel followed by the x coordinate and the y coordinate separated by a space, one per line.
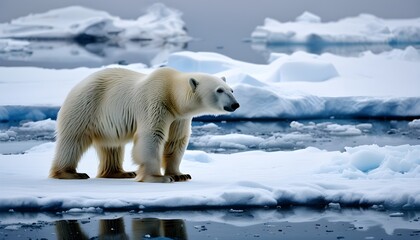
pixel 230 102
pixel 232 107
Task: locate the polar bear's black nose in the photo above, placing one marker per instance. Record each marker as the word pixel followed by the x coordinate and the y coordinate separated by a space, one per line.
pixel 235 106
pixel 232 107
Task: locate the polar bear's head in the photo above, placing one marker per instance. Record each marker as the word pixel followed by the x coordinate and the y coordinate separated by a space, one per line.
pixel 215 95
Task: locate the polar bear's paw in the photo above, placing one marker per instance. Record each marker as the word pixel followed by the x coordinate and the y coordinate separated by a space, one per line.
pixel 69 175
pixel 118 175
pixel 156 179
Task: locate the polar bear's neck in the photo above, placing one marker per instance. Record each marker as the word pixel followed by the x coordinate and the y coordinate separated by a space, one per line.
pixel 186 103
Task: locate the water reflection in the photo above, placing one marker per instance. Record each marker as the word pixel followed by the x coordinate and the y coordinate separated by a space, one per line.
pixel 69 54
pixel 69 229
pixel 141 228
pixel 331 222
pixel 155 228
pixel 347 50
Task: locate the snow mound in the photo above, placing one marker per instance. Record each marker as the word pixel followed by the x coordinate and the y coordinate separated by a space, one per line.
pixel 197 156
pixel 84 24
pixel 374 162
pixel 360 176
pixel 407 54
pixel 414 124
pixel 366 160
pixel 307 71
pixel 365 28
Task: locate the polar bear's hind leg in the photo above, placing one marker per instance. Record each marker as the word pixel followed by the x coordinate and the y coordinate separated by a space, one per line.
pixel 111 159
pixel 69 151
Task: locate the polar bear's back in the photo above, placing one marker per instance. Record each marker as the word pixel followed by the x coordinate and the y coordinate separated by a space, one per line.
pixel 100 106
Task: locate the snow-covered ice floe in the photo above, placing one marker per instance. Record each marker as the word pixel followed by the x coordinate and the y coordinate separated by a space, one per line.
pixel 299 85
pixel 362 29
pixel 83 24
pixel 361 176
pixel 303 85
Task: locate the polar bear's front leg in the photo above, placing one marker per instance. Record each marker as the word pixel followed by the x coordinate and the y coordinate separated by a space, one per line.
pixel 179 134
pixel 147 153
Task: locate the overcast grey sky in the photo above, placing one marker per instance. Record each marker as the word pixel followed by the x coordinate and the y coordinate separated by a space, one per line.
pixel 280 9
pixel 226 13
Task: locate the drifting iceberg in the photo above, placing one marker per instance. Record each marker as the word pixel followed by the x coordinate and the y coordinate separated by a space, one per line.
pixel 82 36
pixel 365 28
pixel 87 25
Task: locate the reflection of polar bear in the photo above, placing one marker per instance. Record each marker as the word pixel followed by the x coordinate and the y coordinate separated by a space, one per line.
pixel 141 228
pixel 114 106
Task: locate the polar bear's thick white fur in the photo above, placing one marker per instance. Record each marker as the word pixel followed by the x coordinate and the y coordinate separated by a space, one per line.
pixel 114 106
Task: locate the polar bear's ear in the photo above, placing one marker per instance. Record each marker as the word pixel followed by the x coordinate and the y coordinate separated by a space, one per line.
pixel 224 79
pixel 193 84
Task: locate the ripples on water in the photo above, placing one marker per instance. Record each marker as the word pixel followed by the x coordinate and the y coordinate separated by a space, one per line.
pixel 291 223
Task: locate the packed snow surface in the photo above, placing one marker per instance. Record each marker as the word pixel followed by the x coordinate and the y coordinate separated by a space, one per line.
pixel 299 85
pixel 364 175
pixel 158 23
pixel 364 28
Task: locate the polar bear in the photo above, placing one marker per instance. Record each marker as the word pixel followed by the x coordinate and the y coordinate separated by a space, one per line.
pixel 115 105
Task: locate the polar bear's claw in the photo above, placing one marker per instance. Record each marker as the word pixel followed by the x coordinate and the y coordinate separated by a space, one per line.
pixel 181 177
pixel 83 175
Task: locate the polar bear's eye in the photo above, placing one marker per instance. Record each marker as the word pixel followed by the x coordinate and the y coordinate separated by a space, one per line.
pixel 219 90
